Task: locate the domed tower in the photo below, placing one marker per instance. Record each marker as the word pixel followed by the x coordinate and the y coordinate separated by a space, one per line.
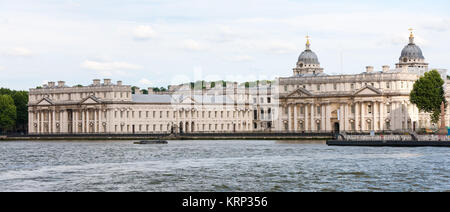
pixel 308 63
pixel 412 56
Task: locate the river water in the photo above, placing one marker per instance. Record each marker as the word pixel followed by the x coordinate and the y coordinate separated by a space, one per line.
pixel 219 166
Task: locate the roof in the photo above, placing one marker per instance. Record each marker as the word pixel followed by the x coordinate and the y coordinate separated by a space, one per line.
pixel 144 98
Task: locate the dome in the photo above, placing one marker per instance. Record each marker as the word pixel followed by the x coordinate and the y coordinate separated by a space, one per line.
pixel 412 51
pixel 308 57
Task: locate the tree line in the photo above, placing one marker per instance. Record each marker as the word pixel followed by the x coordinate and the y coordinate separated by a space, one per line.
pixel 13 111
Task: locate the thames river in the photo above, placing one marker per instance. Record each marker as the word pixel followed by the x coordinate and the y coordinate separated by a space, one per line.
pixel 265 166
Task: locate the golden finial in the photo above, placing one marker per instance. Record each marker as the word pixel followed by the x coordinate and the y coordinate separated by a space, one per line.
pixel 411 30
pixel 307 42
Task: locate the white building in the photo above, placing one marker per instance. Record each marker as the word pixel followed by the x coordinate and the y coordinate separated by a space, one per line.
pixel 308 101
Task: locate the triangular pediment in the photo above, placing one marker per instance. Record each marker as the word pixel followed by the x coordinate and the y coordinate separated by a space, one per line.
pixel 368 90
pixel 90 100
pixel 45 101
pixel 300 92
pixel 188 100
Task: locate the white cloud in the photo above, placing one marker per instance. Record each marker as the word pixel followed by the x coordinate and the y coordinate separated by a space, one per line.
pixel 108 66
pixel 145 82
pixel 19 52
pixel 143 32
pixel 242 58
pixel 193 45
pixel 280 47
pixel 109 69
pixel 2 68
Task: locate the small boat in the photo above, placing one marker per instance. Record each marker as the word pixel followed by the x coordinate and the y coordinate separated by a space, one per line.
pixel 152 142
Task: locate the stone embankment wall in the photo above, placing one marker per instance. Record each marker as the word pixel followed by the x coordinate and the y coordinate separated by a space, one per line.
pixel 397 138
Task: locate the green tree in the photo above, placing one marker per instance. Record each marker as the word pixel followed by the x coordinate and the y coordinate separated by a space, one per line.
pixel 7 113
pixel 428 94
pixel 21 102
pixel 133 90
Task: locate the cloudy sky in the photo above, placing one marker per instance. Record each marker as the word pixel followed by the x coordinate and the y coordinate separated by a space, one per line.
pixel 160 42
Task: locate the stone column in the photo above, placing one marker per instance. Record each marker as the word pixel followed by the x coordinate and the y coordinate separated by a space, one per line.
pixel 341 118
pixel 288 107
pixel 41 122
pixel 75 121
pixel 53 128
pixel 30 122
pixel 295 118
pixel 95 128
pixel 346 118
pixel 323 123
pixel 306 122
pixel 375 117
pixel 313 124
pixel 382 119
pixel 357 117
pixel 328 118
pixel 363 116
pixel 83 121
pixel 100 122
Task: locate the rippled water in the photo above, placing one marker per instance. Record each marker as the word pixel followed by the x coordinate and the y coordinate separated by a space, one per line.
pixel 219 166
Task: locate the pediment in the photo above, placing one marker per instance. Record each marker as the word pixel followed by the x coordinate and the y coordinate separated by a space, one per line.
pixel 45 101
pixel 367 90
pixel 90 100
pixel 300 92
pixel 188 100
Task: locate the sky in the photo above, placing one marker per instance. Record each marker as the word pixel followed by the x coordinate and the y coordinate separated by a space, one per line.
pixel 153 43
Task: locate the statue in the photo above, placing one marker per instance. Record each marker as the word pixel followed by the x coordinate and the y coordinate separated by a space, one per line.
pixel 443 129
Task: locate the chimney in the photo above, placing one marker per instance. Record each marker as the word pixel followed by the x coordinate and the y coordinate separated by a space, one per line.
pixel 51 84
pixel 61 83
pixel 107 81
pixel 137 90
pixel 369 69
pixel 386 68
pixel 119 83
pixel 96 82
pixel 150 91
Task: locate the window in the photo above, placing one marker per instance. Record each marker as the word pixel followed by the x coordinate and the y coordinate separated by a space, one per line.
pixel 369 109
pixel 318 87
pixel 285 88
pixel 352 86
pixel 335 86
pixel 388 108
pixel 318 110
pixel 268 100
pixel 388 85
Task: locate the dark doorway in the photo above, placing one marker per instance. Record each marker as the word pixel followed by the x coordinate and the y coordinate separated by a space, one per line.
pixel 133 129
pixel 414 126
pixel 181 127
pixel 336 127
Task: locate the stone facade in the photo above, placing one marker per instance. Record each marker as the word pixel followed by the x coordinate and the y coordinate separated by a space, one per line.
pixel 308 101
